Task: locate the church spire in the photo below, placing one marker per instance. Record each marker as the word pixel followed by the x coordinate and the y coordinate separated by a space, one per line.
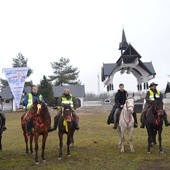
pixel 123 45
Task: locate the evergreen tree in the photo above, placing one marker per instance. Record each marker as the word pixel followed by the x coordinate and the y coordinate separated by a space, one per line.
pixel 64 74
pixel 45 88
pixel 21 61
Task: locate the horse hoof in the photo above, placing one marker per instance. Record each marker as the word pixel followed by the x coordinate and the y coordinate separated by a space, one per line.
pixel 59 158
pixel 132 150
pixel 148 152
pixel 122 151
pixel 43 160
pixel 69 155
pixel 161 152
pixel 37 163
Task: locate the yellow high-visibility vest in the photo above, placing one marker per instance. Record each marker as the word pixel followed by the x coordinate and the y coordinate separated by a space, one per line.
pixel 30 100
pixel 151 95
pixel 69 101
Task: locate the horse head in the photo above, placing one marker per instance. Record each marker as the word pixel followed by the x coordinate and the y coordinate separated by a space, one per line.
pixel 35 110
pixel 158 106
pixel 129 104
pixel 67 112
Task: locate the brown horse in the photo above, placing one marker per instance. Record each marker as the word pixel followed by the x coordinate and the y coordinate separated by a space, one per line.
pixel 41 121
pixel 66 126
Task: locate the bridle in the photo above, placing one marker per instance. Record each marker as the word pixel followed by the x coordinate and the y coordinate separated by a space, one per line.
pixel 130 106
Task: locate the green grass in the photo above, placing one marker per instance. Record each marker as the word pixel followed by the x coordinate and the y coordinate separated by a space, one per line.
pixel 96 148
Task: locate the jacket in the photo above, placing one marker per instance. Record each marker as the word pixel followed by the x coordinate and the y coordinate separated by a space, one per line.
pixel 29 98
pixel 150 97
pixel 120 98
pixel 67 99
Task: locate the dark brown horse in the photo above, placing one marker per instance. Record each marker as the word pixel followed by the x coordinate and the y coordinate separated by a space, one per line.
pixel 66 126
pixel 1 131
pixel 153 120
pixel 41 124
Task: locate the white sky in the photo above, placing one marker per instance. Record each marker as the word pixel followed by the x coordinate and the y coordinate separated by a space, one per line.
pixel 88 32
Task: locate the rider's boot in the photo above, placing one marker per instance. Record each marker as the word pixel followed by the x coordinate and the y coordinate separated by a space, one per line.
pixel 116 121
pixel 111 116
pixel 141 120
pixel 29 127
pixel 135 120
pixel 56 119
pixel 76 121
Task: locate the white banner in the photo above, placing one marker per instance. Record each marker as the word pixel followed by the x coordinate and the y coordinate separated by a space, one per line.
pixel 16 79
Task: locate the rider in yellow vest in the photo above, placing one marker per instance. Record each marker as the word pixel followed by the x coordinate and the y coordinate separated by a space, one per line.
pixel 28 101
pixel 151 95
pixel 67 98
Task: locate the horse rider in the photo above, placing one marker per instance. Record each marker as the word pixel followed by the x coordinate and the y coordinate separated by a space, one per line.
pixel 28 101
pixel 151 95
pixel 67 98
pixel 2 115
pixel 120 98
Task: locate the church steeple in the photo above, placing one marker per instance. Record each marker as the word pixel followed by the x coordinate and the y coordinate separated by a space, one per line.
pixel 123 45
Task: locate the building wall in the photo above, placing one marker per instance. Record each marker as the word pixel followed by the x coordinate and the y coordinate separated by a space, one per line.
pixel 7 105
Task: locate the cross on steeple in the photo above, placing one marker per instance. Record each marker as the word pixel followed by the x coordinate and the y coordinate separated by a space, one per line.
pixel 123 45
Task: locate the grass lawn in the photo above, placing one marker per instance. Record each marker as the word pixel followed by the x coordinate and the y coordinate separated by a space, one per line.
pixel 96 148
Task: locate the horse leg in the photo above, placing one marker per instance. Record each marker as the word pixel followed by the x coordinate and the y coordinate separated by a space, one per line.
pixel 60 145
pixel 43 146
pixel 154 140
pixel 122 141
pixel 119 133
pixel 0 140
pixel 160 140
pixel 36 149
pixel 26 142
pixel 72 139
pixel 131 139
pixel 31 140
pixel 149 139
pixel 68 144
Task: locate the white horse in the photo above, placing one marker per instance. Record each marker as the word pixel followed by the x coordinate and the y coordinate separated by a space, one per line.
pixel 126 123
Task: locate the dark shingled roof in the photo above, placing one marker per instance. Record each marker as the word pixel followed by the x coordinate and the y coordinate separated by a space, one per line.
pixel 76 91
pixel 128 56
pixel 6 93
pixel 167 90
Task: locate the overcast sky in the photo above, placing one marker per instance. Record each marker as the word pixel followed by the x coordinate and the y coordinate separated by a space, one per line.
pixel 88 32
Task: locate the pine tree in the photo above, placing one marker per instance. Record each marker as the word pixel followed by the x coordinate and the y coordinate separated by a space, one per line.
pixel 46 89
pixel 64 74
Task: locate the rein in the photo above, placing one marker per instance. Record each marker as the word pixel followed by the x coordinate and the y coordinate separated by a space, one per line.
pixel 130 118
pixel 38 122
